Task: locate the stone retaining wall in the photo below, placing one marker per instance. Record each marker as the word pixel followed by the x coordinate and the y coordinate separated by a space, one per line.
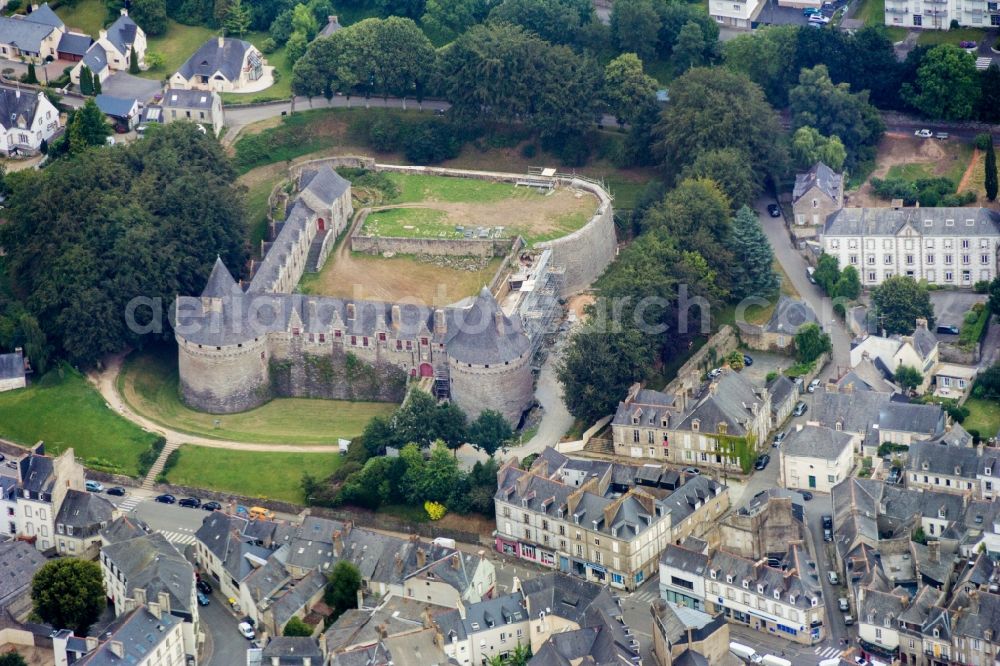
pixel 449 247
pixel 689 375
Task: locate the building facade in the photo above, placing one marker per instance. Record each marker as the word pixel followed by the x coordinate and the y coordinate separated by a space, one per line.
pixel 938 14
pixel 818 193
pixel 26 119
pixel 224 64
pixel 816 458
pixel 735 13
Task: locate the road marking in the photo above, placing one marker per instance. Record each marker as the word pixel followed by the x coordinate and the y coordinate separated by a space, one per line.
pixel 176 538
pixel 827 652
pixel 130 503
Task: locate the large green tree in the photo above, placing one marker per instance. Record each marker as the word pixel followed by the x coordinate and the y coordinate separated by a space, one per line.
pixel 899 301
pixel 597 368
pixel 809 147
pixel 731 171
pixel 68 593
pixel 342 589
pixel 990 175
pixel 712 109
pixel 907 377
pixel 627 89
pixel 753 259
pixel 696 211
pixel 810 342
pixel 12 659
pixel 489 431
pixel 296 627
pixel 452 18
pixel 848 285
pixel 87 127
pixel 994 296
pixel 765 56
pixel 635 27
pixel 150 15
pixel 238 18
pixel 989 98
pixel 947 84
pixel 690 48
pixel 827 273
pixel 555 21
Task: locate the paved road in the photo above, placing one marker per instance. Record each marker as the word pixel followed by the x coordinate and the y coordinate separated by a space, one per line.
pixel 556 419
pixel 224 644
pixel 795 267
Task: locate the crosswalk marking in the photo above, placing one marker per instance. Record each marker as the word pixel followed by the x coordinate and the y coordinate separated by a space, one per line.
pixel 645 597
pixel 129 503
pixel 177 538
pixel 827 652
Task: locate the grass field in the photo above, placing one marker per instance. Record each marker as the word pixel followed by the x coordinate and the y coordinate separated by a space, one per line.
pixel 952 165
pixel 984 416
pixel 954 36
pixel 176 46
pixel 65 411
pixel 251 473
pixel 148 383
pixel 87 16
pixel 259 186
pixel 282 88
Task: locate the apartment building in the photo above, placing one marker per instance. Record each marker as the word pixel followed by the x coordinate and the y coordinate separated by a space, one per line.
pixel 962 469
pixel 938 14
pixel 751 593
pixel 953 247
pixel 738 14
pixel 485 630
pixel 604 522
pixel 145 636
pixel 42 485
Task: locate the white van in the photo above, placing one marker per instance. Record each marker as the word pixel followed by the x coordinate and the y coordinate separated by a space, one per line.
pixel 771 660
pixel 745 652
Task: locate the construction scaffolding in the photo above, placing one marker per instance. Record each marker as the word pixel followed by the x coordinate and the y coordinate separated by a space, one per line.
pixel 538 285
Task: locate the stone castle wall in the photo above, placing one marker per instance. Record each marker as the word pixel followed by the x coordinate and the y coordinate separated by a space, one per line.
pixel 449 247
pixel 335 375
pixel 508 388
pixel 223 381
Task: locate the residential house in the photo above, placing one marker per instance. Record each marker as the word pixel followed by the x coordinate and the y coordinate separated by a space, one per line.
pixel 18 564
pixel 964 469
pixel 27 118
pixel 740 14
pixel 641 424
pixel 73 46
pixel 146 635
pixel 784 394
pixel 148 568
pixel 198 106
pixel 946 246
pixel 226 551
pixel 679 631
pixel 122 111
pixel 785 602
pixel 818 193
pixel 975 627
pixel 292 651
pixel 865 376
pixel 12 368
pixel 221 65
pixel 478 633
pixel 296 599
pixel 905 423
pixel 682 576
pixel 952 380
pixel 851 411
pixel 112 51
pixel 418 648
pixel 878 620
pixel 595 520
pixel 918 351
pixel 778 333
pixel 79 522
pixel 43 483
pixel 816 458
pixel 32 37
pixel 365 627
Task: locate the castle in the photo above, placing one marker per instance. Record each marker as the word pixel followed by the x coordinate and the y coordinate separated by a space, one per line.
pixel 239 348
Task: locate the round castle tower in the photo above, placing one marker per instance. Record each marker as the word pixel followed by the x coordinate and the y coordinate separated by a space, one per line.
pixel 223 367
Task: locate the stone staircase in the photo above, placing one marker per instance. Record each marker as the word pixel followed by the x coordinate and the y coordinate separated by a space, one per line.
pixel 312 259
pixel 600 446
pixel 150 481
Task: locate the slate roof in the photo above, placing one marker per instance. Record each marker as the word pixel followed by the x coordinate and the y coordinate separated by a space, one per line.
pixel 84 510
pixel 937 458
pixel 187 99
pixel 483 616
pixel 930 221
pixel 395 615
pixel 18 563
pixel 855 411
pixel 486 335
pixel 781 389
pixel 140 635
pixel 928 420
pixel 154 564
pixel 826 179
pixel 117 107
pixel 96 59
pixel 876 607
pixel 12 365
pixel 220 281
pixel 292 650
pixel 224 536
pixel 332 26
pixel 790 314
pixel 122 528
pixel 24 33
pixel 45 16
pixel 731 402
pixel 210 58
pixel 74 44
pixel 786 583
pixel 816 442
pixel 293 599
pixel 323 183
pixel 980 616
pixel 651 407
pixel 122 33
pixel 682 559
pixel 17 107
pixel 36 475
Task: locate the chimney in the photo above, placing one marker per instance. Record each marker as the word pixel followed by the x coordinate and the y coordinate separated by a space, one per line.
pixel 979 449
pixel 91 642
pixel 440 324
pixel 933 550
pixel 397 317
pixel 456 561
pixel 155 610
pixel 713 387
pixel 350 306
pixel 922 323
pixel 399 563
pixel 680 401
pixel 222 41
pixel 17 93
pixel 124 11
pixel 139 596
pixel 421 558
pixel 102 34
pixel 164 600
pixel 347 528
pixel 338 543
pixel 117 649
pixel 498 320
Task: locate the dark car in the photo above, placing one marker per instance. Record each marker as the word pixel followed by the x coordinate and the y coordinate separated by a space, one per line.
pixel 894 475
pixel 827 528
pixel 166 499
pixel 806 495
pixel 800 408
pixel 747 360
pixel 202 599
pixel 117 491
pixel 947 330
pixel 191 502
pixel 203 586
pixel 774 210
pixel 762 462
pixel 779 438
pixel 211 506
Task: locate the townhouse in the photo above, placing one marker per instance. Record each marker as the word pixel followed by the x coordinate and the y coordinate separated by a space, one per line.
pixel 778 333
pixel 818 193
pixel 79 522
pixel 147 635
pixel 42 484
pixel 783 601
pixel 953 247
pixel 816 458
pixel 960 467
pixel 27 118
pixel 918 351
pixel 603 522
pixel 366 630
pixel 681 635
pixel 485 630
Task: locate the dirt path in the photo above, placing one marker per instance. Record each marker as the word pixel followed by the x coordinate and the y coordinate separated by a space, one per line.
pixel 106 382
pixel 969 170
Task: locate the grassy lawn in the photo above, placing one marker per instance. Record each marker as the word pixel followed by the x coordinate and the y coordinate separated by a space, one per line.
pixel 149 380
pixel 282 88
pixel 912 171
pixel 935 37
pixel 625 191
pixel 984 416
pixel 258 190
pixel 416 188
pixel 871 12
pixel 952 166
pixel 63 410
pixel 88 16
pixel 176 46
pixel 251 473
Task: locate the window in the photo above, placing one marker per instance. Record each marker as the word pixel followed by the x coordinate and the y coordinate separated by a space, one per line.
pixel 887 260
pixel 871 259
pixel 831 478
pixel 909 259
pixel 871 276
pixel 853 259
pixel 985 258
pixel 965 243
pixel 965 259
pixel 930 259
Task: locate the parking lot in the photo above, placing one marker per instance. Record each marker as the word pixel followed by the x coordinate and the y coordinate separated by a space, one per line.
pixel 950 307
pixel 764 363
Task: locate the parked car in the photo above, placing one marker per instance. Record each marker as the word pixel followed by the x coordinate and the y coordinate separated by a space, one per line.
pixel 94 486
pixel 762 461
pixel 843 604
pixel 166 499
pixel 190 502
pixel 924 133
pixel 747 360
pixel 779 438
pixel 202 599
pixel 967 44
pixel 819 19
pixel 811 274
pixel 848 620
pixel 894 475
pixel 203 586
pixel 947 330
pixel 246 630
pixel 211 506
pixel 811 11
pixel 692 470
pixel 715 372
pixel 813 385
pixel 806 495
pixel 800 408
pixel 774 210
pixel 943 136
pixel 117 491
pixel 827 528
pixel 827 520
pixel 833 577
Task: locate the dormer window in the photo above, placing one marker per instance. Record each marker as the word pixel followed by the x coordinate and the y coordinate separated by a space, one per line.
pixel 777 594
pixel 729 579
pixel 987 471
pixel 760 589
pixel 722 427
pixel 839 426
pixel 696 425
pixel 924 466
pixel 958 470
pixel 791 598
pixel 713 573
pixel 886 622
pixel 936 633
pixel 814 602
pixel 746 585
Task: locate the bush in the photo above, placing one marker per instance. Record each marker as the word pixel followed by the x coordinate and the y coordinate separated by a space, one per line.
pixel 886 448
pixel 13 6
pixel 981 287
pixel 268 45
pixel 572 148
pixel 771 376
pixel 435 510
pixel 384 135
pixel 982 141
pixel 430 143
pixel 149 456
pixel 529 150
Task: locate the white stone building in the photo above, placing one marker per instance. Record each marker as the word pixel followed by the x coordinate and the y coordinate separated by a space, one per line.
pixel 735 13
pixel 938 14
pixel 816 458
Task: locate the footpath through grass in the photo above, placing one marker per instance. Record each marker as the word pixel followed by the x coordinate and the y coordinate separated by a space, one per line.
pixel 66 412
pixel 251 473
pixel 149 382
